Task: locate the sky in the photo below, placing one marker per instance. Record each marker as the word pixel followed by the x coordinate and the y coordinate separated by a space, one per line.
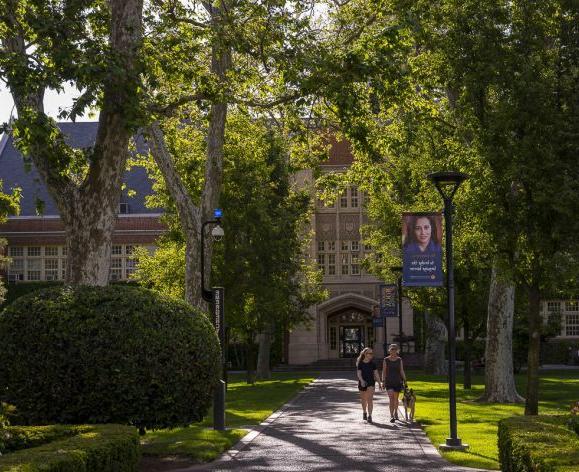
pixel 52 102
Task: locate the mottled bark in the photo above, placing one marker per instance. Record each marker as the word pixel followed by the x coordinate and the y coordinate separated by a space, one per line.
pixel 88 208
pixel 434 351
pixel 265 339
pixel 533 356
pixel 499 376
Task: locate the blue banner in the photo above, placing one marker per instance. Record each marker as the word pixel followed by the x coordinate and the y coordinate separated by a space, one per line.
pixel 422 250
pixel 388 300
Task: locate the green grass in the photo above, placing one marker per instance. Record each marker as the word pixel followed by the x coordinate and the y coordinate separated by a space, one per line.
pixel 478 423
pixel 246 405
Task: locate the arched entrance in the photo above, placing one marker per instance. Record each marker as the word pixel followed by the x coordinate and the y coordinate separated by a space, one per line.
pixel 350 331
pixel 346 325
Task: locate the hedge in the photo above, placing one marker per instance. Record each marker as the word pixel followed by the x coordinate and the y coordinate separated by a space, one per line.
pixel 116 354
pixel 61 448
pixel 538 444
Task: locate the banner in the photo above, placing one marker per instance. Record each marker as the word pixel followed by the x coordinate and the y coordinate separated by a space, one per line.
pixel 388 300
pixel 422 250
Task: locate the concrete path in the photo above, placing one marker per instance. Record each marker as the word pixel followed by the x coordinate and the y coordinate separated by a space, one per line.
pixel 322 430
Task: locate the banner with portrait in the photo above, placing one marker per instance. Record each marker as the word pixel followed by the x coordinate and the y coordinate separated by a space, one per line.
pixel 422 250
pixel 388 300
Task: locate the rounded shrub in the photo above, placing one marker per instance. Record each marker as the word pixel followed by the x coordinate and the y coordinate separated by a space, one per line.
pixel 116 354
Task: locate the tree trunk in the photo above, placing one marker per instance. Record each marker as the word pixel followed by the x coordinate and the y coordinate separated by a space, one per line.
pixel 88 208
pixel 264 353
pixel 499 376
pixel 250 360
pixel 434 352
pixel 467 382
pixel 533 358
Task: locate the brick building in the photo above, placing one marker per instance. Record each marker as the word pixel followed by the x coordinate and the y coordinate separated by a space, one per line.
pixel 36 241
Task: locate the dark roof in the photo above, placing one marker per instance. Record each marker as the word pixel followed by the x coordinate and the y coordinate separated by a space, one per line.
pixel 14 173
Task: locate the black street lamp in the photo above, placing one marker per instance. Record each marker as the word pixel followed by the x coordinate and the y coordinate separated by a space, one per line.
pixel 398 271
pixel 215 298
pixel 447 184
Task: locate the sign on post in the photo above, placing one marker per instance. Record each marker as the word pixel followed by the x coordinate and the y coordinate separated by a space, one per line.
pixel 388 300
pixel 422 250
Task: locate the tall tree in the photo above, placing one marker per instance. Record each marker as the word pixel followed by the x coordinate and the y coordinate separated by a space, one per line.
pixel 8 206
pixel 95 45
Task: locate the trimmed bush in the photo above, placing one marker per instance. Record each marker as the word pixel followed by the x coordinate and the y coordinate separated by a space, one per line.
pixel 537 444
pixel 117 354
pixel 95 448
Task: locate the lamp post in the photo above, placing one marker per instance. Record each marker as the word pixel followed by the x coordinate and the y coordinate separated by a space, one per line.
pixel 398 271
pixel 447 184
pixel 215 298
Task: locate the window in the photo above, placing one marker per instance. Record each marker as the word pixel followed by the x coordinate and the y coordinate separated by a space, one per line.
pixel 129 250
pixel 34 267
pixel 33 251
pixel 572 305
pixel 333 338
pixel 345 245
pixel 344 199
pixel 64 250
pixel 345 264
pixel 51 269
pixel 331 264
pixel 116 250
pixel 51 251
pixel 17 265
pixel 553 306
pixel 572 325
pixel 130 268
pixel 322 263
pixel 367 247
pixel 321 246
pixel 354 197
pixel 16 251
pixel 355 264
pixel 116 263
pixel 331 245
pixel 355 246
pixel 123 208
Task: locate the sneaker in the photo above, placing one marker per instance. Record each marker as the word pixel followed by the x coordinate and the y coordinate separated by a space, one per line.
pixel 364 416
pixel 396 417
pixel 369 419
pixel 392 420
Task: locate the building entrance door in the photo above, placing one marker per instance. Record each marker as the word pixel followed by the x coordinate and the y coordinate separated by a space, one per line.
pixel 351 341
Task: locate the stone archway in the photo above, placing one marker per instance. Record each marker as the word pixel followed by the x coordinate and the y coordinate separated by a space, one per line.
pixel 346 325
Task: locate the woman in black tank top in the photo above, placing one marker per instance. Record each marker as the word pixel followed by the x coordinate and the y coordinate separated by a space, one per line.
pixel 394 378
pixel 367 377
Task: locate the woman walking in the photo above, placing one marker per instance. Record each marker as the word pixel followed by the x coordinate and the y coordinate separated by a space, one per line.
pixel 394 378
pixel 367 377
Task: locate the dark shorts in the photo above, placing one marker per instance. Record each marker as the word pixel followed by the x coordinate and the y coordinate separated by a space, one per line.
pixel 368 384
pixel 396 388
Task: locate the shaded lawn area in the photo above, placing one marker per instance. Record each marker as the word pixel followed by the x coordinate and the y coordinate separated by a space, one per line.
pixel 246 405
pixel 478 422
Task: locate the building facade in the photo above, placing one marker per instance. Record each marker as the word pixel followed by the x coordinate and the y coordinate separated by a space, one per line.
pixel 342 325
pixel 36 240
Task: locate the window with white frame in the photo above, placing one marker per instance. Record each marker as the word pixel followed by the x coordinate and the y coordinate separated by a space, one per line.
pixel 344 199
pixel 331 246
pixel 345 246
pixel 331 264
pixel 321 246
pixel 572 306
pixel 345 264
pixel 355 259
pixel 354 197
pixel 322 263
pixel 572 325
pixel 355 246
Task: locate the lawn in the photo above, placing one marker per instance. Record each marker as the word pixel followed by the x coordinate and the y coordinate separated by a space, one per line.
pixel 246 405
pixel 477 423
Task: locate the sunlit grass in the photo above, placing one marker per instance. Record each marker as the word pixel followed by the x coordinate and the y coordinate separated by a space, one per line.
pixel 478 423
pixel 246 405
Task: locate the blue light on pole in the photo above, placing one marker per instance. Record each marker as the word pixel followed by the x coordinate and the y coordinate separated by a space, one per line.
pixel 217 213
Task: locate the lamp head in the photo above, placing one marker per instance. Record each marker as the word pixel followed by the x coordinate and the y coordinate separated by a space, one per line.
pixel 447 182
pixel 217 214
pixel 217 233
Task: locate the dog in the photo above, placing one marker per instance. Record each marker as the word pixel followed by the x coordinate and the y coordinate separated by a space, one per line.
pixel 409 402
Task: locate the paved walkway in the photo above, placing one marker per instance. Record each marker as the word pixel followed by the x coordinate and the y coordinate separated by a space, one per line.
pixel 322 430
